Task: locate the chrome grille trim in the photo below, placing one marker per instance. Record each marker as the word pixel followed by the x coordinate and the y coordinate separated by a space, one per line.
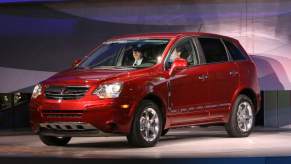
pixel 65 92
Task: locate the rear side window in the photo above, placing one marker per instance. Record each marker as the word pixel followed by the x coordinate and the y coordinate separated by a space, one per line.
pixel 235 53
pixel 213 49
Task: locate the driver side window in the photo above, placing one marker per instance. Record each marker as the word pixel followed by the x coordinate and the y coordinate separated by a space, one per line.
pixel 183 49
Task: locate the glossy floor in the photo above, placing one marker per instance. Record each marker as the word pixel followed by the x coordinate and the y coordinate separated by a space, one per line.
pixel 186 142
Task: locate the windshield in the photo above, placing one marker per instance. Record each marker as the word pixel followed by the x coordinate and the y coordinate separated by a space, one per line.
pixel 126 54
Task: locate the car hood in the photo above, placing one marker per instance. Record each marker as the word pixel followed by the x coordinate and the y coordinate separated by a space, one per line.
pixel 85 76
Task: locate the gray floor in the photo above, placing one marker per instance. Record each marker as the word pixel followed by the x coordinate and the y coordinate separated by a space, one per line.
pixel 186 142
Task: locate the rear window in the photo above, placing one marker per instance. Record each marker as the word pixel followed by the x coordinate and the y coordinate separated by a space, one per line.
pixel 213 49
pixel 235 53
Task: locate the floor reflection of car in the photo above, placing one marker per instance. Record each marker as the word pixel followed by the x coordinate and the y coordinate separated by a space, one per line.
pixel 141 86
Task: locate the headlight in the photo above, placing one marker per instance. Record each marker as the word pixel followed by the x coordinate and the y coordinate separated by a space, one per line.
pixel 36 91
pixel 109 90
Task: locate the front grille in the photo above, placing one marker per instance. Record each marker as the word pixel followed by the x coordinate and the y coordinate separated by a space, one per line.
pixel 63 113
pixel 65 92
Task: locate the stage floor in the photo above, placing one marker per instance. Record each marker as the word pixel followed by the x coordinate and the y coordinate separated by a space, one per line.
pixel 186 142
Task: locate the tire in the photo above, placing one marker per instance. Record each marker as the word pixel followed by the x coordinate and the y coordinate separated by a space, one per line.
pixel 54 141
pixel 243 110
pixel 164 132
pixel 147 125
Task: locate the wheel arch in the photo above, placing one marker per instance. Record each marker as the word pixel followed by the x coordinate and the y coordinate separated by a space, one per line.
pixel 251 94
pixel 157 100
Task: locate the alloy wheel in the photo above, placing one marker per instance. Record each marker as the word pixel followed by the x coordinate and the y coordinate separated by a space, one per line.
pixel 149 124
pixel 245 116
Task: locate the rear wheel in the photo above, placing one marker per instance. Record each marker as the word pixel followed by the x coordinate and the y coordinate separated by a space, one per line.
pixel 147 125
pixel 242 119
pixel 54 141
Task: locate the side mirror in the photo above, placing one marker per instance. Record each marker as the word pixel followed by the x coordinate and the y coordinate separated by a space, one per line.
pixel 178 65
pixel 76 63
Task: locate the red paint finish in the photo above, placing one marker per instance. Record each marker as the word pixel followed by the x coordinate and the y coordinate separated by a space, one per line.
pixel 187 95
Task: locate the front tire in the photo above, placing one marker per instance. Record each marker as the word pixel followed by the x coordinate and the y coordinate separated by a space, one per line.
pixel 147 125
pixel 54 141
pixel 242 119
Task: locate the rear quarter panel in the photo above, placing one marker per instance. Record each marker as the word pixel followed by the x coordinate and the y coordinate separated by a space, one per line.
pixel 248 80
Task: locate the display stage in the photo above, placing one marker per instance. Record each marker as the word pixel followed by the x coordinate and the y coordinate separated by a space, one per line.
pixel 195 142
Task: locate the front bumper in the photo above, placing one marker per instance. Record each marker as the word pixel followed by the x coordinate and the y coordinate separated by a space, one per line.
pixel 71 129
pixel 79 117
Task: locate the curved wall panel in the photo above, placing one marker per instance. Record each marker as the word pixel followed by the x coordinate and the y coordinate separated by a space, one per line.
pixel 47 37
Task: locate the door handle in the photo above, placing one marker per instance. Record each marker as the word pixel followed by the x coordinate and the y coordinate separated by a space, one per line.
pixel 233 73
pixel 202 77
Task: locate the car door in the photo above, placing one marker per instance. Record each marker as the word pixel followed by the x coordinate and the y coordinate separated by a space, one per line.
pixel 188 88
pixel 223 77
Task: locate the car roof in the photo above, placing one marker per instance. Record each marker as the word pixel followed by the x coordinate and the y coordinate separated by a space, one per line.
pixel 168 35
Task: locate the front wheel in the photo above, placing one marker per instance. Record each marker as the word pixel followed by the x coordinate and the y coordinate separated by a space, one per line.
pixel 147 125
pixel 242 119
pixel 54 141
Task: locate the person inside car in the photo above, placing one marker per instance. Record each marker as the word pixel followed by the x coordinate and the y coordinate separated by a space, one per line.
pixel 181 52
pixel 137 55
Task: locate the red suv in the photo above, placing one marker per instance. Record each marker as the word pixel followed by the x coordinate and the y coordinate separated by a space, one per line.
pixel 142 85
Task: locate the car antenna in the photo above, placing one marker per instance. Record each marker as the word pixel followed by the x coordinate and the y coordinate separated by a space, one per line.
pixel 200 27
